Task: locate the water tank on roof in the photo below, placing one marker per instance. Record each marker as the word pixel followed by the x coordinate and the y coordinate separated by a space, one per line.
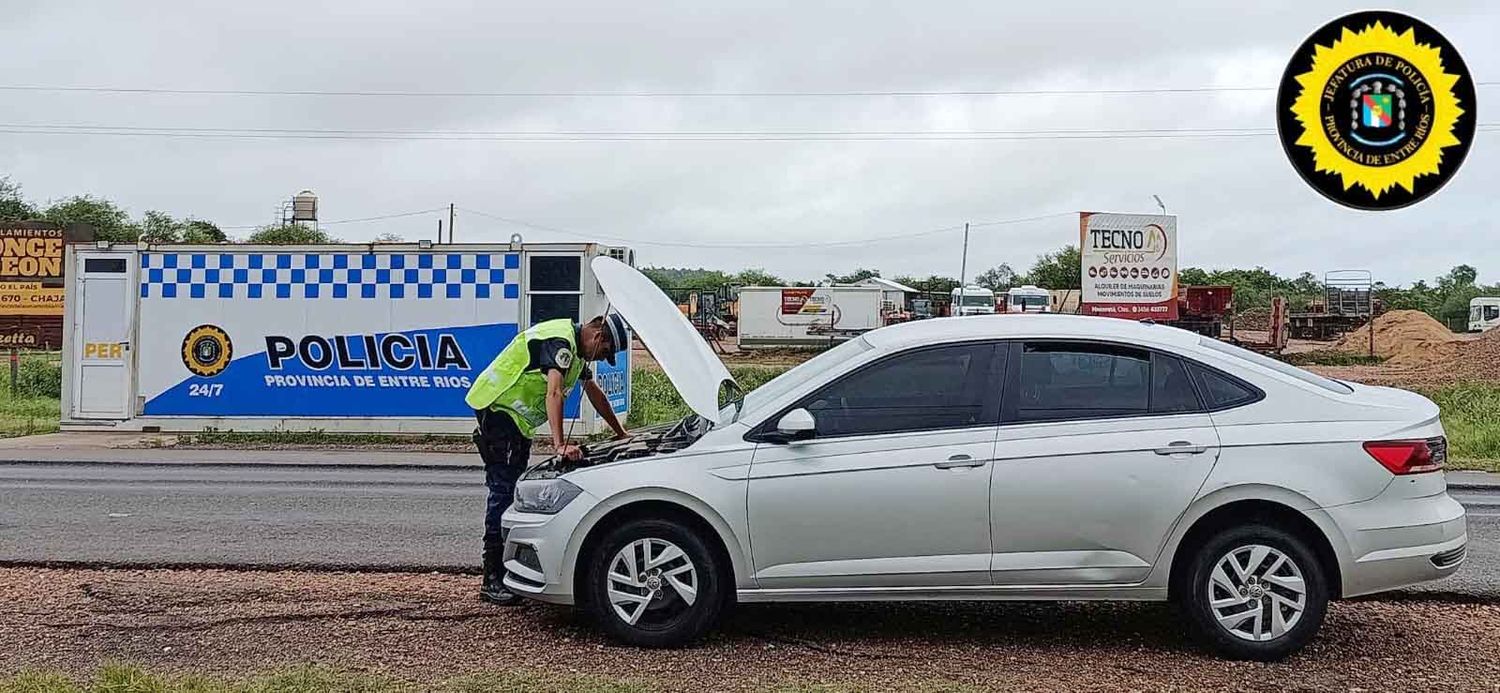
pixel 305 206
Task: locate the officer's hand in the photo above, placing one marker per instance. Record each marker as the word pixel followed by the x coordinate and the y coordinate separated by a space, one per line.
pixel 569 452
pixel 623 434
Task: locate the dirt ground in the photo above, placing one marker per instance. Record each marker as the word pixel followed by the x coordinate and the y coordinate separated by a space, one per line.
pixel 425 627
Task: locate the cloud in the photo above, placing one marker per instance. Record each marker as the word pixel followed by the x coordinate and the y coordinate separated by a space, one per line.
pixel 1239 200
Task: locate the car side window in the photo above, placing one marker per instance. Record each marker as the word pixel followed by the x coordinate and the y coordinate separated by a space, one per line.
pixel 1220 391
pixel 923 389
pixel 1171 390
pixel 1077 380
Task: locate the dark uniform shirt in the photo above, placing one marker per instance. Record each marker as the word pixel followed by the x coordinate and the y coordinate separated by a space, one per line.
pixel 554 354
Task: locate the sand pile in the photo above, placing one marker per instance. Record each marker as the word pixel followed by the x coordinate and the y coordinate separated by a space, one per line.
pixel 1458 361
pixel 1403 337
pixel 1256 319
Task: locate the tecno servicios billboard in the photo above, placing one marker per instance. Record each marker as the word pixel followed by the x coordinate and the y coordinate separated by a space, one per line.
pixel 1129 265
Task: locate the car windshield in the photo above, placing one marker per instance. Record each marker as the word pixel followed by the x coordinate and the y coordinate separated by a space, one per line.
pixel 1281 367
pixel 977 300
pixel 803 372
pixel 1031 301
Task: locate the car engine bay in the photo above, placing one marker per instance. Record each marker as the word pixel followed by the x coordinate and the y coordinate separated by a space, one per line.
pixel 655 440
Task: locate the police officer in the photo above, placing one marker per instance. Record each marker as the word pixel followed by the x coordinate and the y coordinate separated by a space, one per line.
pixel 522 389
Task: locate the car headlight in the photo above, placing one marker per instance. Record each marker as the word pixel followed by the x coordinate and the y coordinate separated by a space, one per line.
pixel 545 496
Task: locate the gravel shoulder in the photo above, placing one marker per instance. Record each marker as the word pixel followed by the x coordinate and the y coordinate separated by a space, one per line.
pixel 429 627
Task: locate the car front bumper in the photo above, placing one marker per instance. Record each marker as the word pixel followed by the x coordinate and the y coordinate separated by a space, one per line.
pixel 536 551
pixel 1403 537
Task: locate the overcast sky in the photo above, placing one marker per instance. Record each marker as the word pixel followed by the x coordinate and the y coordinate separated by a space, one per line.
pixel 1239 201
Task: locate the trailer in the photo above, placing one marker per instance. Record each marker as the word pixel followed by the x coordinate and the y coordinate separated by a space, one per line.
pixel 1203 309
pixel 349 338
pixel 793 316
pixel 1348 302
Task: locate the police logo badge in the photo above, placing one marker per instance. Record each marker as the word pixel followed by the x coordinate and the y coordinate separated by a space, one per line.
pixel 206 350
pixel 1376 110
pixel 564 359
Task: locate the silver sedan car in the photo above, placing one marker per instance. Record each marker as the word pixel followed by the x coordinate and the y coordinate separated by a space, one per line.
pixel 1022 457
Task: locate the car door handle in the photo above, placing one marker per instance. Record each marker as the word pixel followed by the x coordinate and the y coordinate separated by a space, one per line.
pixel 959 461
pixel 1182 447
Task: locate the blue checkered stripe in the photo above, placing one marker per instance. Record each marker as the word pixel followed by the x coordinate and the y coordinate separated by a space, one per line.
pixel 321 275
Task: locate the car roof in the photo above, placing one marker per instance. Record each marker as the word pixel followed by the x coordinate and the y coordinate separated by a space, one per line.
pixel 1033 325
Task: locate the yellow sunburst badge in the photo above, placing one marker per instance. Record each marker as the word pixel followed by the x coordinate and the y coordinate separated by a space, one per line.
pixel 206 350
pixel 1376 110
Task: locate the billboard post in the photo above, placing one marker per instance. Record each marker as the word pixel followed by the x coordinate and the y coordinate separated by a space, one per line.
pixel 1129 265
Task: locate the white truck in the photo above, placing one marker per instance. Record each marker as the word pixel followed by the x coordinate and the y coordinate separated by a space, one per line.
pixel 1028 299
pixel 1484 313
pixel 973 300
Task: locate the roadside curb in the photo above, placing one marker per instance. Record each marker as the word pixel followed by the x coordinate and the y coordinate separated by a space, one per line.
pixel 220 464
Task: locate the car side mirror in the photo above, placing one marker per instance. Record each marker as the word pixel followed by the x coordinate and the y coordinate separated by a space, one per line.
pixel 797 424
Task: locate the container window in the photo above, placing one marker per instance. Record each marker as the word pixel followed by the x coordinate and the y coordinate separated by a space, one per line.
pixel 555 272
pixel 109 265
pixel 552 306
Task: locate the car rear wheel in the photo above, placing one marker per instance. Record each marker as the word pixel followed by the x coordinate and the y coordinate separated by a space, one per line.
pixel 654 583
pixel 1255 592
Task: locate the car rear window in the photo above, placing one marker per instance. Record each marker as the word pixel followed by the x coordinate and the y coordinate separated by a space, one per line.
pixel 1283 368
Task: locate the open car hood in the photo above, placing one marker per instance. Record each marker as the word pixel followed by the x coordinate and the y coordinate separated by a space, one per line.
pixel 682 353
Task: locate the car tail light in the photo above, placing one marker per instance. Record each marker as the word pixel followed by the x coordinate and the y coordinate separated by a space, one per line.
pixel 1409 456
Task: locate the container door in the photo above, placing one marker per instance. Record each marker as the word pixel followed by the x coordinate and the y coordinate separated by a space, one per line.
pixel 103 334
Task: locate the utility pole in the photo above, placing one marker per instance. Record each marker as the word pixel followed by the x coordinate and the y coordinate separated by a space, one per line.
pixel 963 271
pixel 440 232
pixel 450 222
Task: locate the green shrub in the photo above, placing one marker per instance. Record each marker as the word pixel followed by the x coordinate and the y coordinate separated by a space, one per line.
pixel 653 400
pixel 39 377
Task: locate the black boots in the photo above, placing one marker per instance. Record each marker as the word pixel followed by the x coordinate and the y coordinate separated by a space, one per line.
pixel 493 589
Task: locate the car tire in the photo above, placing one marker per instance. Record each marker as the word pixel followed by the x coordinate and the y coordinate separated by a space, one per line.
pixel 676 592
pixel 1241 592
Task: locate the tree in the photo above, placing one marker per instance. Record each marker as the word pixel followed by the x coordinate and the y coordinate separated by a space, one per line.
pixel 1059 269
pixel 997 279
pixel 109 221
pixel 160 227
pixel 199 231
pixel 13 207
pixel 390 238
pixel 1192 276
pixel 756 276
pixel 933 284
pixel 857 276
pixel 290 234
pixel 685 278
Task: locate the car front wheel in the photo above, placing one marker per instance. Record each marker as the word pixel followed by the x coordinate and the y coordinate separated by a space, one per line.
pixel 1256 592
pixel 654 583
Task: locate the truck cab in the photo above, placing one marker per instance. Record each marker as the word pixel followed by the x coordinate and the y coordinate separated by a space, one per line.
pixel 1484 313
pixel 973 300
pixel 1028 299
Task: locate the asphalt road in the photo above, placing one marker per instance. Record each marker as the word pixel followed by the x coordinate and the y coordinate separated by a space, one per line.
pixel 374 517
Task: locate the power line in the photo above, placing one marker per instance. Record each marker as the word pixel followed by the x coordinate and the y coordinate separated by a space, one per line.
pixel 740 246
pixel 631 133
pixel 561 136
pixel 397 215
pixel 631 94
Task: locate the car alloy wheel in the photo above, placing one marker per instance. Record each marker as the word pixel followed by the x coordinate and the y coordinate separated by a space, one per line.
pixel 1257 593
pixel 652 583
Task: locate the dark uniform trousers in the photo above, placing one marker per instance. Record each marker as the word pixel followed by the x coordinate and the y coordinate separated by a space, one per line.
pixel 505 453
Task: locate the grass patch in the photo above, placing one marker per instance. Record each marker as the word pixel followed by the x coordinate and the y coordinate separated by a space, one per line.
pixel 1471 417
pixel 654 400
pixel 318 438
pixel 1325 357
pixel 118 678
